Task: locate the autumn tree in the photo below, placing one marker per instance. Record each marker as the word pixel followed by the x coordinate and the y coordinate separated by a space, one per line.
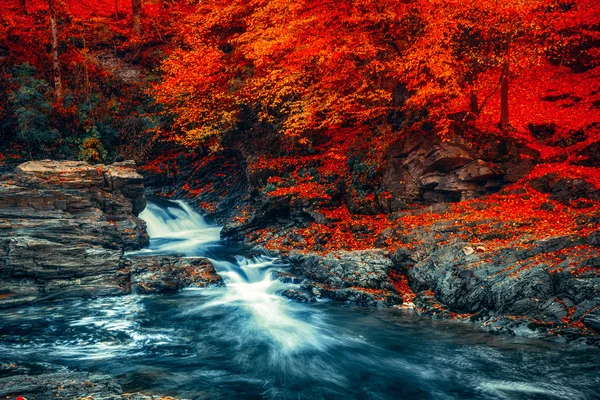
pixel 312 67
pixel 460 40
pixel 301 68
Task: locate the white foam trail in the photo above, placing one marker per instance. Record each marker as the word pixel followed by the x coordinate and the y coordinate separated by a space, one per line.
pixel 251 286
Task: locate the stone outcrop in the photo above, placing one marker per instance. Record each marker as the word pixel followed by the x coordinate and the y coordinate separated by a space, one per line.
pixel 552 285
pixel 359 277
pixel 425 168
pixel 64 227
pixel 170 274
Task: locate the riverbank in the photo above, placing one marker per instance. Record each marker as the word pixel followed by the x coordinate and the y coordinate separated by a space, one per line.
pixel 481 230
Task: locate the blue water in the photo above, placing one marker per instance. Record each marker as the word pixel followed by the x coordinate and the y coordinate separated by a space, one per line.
pixel 244 341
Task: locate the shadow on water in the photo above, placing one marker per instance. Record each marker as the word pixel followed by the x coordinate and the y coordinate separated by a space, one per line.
pixel 244 341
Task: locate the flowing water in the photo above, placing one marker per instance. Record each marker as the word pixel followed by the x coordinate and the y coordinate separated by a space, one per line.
pixel 243 341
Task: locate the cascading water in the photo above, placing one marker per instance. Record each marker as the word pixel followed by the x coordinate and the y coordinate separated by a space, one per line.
pixel 251 290
pixel 244 341
pixel 176 228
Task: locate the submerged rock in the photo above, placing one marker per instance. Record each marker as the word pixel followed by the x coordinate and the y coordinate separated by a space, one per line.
pixel 170 274
pixel 64 226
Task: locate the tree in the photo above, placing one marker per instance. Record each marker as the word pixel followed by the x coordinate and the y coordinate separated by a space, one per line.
pixel 461 40
pixel 23 6
pixel 32 105
pixel 58 89
pixel 300 69
pixel 136 11
pixel 313 67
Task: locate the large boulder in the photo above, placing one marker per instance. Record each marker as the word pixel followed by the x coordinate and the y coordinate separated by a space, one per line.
pixel 169 274
pixel 360 277
pixel 64 227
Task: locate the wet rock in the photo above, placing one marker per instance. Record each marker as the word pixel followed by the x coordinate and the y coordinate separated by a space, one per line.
pixel 357 277
pixel 300 296
pixel 592 320
pixel 355 295
pixel 287 277
pixel 363 268
pixel 528 282
pixel 60 385
pixel 170 274
pixel 68 385
pixel 64 227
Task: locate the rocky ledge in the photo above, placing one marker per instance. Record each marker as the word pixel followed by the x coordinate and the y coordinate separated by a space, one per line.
pixel 65 227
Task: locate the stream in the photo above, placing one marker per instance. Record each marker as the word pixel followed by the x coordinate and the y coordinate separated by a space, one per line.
pixel 243 341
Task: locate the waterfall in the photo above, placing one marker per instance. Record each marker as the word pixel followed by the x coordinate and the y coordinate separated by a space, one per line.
pixel 250 297
pixel 177 228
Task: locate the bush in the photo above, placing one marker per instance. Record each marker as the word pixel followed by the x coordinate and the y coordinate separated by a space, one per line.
pixel 31 102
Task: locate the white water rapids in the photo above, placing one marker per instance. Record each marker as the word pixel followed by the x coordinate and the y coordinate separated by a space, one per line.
pixel 251 288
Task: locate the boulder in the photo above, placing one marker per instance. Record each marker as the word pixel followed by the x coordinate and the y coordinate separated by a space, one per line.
pixel 358 277
pixel 424 168
pixel 342 269
pixel 169 274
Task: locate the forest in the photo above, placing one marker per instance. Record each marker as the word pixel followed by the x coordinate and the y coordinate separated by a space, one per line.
pixel 437 159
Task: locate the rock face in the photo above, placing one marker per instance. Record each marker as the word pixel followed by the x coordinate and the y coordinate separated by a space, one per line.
pixel 360 277
pixel 552 284
pixel 424 168
pixel 64 227
pixel 168 274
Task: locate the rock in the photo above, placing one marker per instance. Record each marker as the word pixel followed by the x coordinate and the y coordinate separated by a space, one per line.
pixel 424 168
pixel 359 277
pixel 542 132
pixel 64 227
pixel 355 295
pixel 60 385
pixel 300 296
pixel 287 277
pixel 362 268
pixel 564 189
pixel 529 282
pixel 170 274
pixel 68 385
pixel 124 178
pixel 468 250
pixel 592 320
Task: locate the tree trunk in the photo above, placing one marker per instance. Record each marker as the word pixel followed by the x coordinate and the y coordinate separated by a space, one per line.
pixel 23 5
pixel 474 104
pixel 55 64
pixel 504 122
pixel 116 9
pixel 136 9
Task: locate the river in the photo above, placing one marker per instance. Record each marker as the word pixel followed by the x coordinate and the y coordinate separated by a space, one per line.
pixel 243 341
